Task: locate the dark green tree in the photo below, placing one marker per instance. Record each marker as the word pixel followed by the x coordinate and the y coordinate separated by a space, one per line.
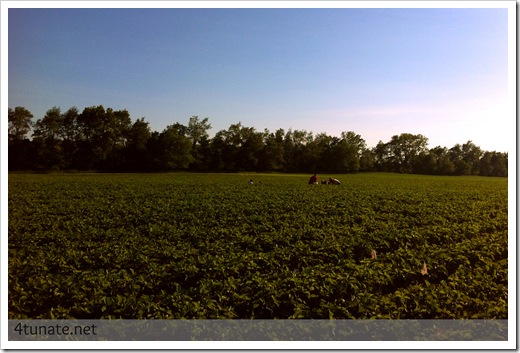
pixel 272 158
pixel 102 136
pixel 466 158
pixel 299 153
pixel 197 129
pixel 202 155
pixel 382 158
pixel 499 163
pixel 70 129
pixel 169 150
pixel 434 162
pixel 250 151
pixel 20 154
pixel 367 161
pixel 229 147
pixel 136 153
pixel 404 150
pixel 70 135
pixel 197 132
pixel 48 140
pixel 471 155
pixel 493 164
pixel 222 154
pixel 443 164
pixel 350 150
pixel 20 123
pixel 50 126
pixel 107 140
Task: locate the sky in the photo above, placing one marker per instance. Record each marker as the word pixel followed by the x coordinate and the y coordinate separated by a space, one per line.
pixel 380 72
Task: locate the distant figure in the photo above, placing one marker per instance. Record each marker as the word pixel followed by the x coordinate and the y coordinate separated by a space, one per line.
pixel 250 181
pixel 424 270
pixel 313 180
pixel 334 181
pixel 324 182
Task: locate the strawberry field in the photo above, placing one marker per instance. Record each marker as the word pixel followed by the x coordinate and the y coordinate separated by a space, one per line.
pixel 208 246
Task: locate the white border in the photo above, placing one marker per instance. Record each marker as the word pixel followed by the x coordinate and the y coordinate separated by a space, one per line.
pixel 510 5
pixel 294 345
pixel 3 169
pixel 259 4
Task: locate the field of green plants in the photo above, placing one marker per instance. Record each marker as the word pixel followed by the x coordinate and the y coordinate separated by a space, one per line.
pixel 208 246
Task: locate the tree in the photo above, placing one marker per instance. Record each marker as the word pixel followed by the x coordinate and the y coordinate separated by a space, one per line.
pixel 434 162
pixel 202 155
pixel 197 129
pixel 486 168
pixel 273 152
pixel 367 161
pixel 250 151
pixel 138 135
pixel 382 158
pixel 227 146
pixel 471 155
pixel 118 124
pixel 499 164
pixel 19 146
pixel 355 140
pixel 493 164
pixel 51 126
pixel 108 140
pixel 466 158
pixel 443 164
pixel 70 134
pixel 102 135
pixel 350 150
pixel 136 146
pixel 313 152
pixel 47 138
pixel 238 148
pixel 457 158
pixel 91 122
pixel 197 132
pixel 219 152
pixel 20 123
pixel 404 149
pixel 169 150
pixel 297 152
pixel 70 129
pixel 346 157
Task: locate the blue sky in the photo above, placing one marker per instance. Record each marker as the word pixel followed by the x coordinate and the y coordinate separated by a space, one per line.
pixel 438 72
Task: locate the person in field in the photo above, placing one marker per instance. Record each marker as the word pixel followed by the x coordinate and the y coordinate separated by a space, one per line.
pixel 313 180
pixel 334 181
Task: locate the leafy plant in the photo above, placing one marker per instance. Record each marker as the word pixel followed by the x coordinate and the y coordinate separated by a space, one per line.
pixel 212 246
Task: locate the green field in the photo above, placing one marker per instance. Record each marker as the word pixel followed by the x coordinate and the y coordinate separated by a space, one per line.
pixel 213 246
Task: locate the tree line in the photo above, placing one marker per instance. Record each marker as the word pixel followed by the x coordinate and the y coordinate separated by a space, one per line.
pixel 108 140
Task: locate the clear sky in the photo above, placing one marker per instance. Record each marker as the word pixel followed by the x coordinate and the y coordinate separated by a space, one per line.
pixel 442 73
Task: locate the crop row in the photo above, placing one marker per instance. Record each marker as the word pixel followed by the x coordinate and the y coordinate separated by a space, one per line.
pixel 212 246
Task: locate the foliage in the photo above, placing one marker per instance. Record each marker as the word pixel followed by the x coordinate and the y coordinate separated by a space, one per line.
pixel 106 140
pixel 213 246
pixel 20 123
